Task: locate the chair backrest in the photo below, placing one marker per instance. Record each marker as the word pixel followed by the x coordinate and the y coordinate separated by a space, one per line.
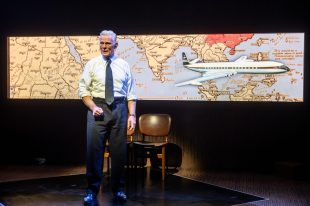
pixel 154 124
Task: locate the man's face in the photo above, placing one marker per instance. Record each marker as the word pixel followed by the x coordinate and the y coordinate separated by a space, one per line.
pixel 107 46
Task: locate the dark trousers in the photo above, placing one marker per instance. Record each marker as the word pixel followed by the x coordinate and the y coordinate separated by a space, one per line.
pixel 111 125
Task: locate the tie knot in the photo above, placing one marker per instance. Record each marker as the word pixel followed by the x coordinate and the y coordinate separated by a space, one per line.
pixel 108 61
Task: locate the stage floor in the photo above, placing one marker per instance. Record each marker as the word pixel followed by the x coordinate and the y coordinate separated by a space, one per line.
pixel 64 185
pixel 144 187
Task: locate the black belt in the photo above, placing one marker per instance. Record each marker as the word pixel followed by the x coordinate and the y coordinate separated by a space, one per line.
pixel 117 100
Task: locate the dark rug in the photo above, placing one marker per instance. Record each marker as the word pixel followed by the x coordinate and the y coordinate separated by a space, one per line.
pixel 143 188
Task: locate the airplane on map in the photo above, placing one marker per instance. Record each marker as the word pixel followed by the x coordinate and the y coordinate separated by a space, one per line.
pixel 215 70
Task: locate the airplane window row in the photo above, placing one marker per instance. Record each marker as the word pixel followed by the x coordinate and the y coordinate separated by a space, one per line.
pixel 236 67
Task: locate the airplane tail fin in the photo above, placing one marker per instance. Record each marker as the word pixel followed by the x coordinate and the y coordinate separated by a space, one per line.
pixel 184 59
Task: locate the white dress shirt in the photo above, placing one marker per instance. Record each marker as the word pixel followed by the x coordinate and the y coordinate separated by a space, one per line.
pixel 92 81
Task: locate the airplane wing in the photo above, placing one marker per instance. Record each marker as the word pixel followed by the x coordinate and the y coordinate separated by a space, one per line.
pixel 206 76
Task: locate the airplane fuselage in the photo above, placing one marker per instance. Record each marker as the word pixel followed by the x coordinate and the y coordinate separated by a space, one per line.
pixel 263 67
pixel 215 70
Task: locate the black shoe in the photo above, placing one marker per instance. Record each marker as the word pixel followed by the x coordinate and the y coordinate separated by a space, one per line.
pixel 90 199
pixel 120 196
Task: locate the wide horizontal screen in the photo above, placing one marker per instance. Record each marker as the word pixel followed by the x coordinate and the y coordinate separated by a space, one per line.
pixel 194 67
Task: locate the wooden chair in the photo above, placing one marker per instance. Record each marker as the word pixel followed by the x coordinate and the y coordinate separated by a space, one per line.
pixel 154 129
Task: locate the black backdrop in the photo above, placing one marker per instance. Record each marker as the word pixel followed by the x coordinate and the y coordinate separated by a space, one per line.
pixel 227 135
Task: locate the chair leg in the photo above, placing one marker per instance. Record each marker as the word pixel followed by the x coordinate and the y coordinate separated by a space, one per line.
pixel 106 159
pixel 163 162
pixel 108 165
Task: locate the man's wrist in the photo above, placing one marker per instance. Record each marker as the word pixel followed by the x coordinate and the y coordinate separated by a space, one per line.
pixel 132 115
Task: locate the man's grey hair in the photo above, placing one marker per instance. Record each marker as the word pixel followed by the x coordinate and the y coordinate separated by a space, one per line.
pixel 109 33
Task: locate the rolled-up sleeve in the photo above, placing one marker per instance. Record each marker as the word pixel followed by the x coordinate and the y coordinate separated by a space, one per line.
pixel 131 89
pixel 85 82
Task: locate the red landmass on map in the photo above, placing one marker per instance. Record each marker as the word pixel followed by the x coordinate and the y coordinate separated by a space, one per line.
pixel 230 40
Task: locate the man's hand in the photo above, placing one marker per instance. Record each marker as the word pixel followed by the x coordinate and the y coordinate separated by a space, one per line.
pixel 131 123
pixel 88 101
pixel 97 111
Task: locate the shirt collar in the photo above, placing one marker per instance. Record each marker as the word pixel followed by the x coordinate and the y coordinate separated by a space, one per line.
pixel 112 58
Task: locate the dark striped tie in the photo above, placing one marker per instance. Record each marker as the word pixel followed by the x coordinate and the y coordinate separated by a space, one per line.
pixel 109 93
